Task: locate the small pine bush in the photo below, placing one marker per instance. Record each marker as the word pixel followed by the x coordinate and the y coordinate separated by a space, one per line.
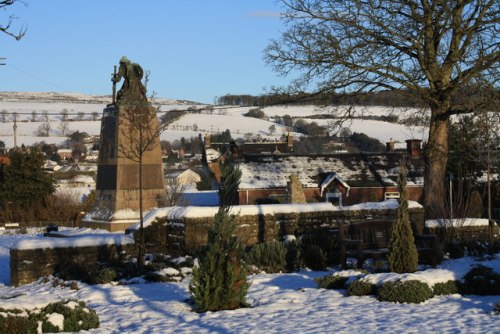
pixel 331 282
pixel 220 281
pixel 446 288
pixel 268 256
pixel 411 291
pixel 403 255
pixel 361 287
pixel 481 280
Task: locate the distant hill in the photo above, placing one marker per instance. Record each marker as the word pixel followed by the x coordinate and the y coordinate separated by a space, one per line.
pixel 71 98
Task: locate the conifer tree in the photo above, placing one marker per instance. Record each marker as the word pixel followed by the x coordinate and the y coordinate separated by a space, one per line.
pixel 24 182
pixel 403 256
pixel 219 282
pixel 230 181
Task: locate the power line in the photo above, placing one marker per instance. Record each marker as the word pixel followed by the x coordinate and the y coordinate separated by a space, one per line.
pixel 37 77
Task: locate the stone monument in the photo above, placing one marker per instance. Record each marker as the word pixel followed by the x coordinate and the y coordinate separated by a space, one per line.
pixel 130 164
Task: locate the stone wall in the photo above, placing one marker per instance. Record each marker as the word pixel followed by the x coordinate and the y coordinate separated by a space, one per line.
pixel 27 265
pixel 186 235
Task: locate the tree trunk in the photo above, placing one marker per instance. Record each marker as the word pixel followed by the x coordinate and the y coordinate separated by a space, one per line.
pixel 140 259
pixel 436 156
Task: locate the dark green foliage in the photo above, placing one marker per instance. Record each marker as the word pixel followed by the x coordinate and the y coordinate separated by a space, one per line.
pixel 481 280
pixel 18 324
pixel 331 282
pixel 76 318
pixel 496 309
pixel 446 288
pixel 103 276
pixel 293 256
pixel 230 181
pixel 268 256
pixel 319 249
pixel 24 182
pixel 220 283
pixel 403 255
pixel 404 292
pixel 361 287
pixel 313 256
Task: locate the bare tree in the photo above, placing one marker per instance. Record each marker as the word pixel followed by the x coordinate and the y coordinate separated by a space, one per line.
pixel 64 115
pixel 175 190
pixel 45 115
pixel 64 127
pixel 79 116
pixel 141 133
pixel 43 130
pixel 94 116
pixel 33 116
pixel 4 115
pixel 7 27
pixel 438 51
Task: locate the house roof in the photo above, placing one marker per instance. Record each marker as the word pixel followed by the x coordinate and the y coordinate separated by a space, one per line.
pixel 353 169
pixel 273 171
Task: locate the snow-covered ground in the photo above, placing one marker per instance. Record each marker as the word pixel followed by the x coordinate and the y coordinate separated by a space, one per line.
pixel 279 303
pixel 190 125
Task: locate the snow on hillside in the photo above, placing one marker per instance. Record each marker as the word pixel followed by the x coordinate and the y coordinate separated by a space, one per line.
pixel 190 125
pixel 279 303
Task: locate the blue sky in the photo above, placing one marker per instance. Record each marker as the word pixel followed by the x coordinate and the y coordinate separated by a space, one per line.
pixel 195 49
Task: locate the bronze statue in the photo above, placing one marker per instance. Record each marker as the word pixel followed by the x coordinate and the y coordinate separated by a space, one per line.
pixel 132 86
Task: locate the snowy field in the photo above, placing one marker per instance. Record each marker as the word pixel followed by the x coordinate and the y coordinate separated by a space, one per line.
pixel 279 303
pixel 190 125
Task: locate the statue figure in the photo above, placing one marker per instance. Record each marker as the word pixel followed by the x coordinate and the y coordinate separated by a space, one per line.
pixel 132 86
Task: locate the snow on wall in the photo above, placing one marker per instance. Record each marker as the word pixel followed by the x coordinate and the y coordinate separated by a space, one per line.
pixel 79 241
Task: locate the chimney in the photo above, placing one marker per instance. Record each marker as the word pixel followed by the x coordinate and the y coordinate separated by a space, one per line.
pixel 414 147
pixel 207 141
pixel 390 145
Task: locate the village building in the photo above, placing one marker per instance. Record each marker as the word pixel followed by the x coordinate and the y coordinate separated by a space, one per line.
pixel 339 178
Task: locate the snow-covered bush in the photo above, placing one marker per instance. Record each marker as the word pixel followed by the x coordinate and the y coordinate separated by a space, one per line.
pixel 361 287
pixel 411 291
pixel 268 256
pixel 69 316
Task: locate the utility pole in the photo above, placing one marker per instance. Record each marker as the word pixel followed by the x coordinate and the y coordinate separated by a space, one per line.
pixel 14 127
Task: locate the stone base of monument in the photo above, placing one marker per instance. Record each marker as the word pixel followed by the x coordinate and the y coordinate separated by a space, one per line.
pixel 111 220
pixel 111 226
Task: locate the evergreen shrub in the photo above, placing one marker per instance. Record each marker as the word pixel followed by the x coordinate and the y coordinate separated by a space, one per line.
pixel 361 287
pixel 268 256
pixel 313 256
pixel 403 255
pixel 446 288
pixel 220 281
pixel 411 291
pixel 481 280
pixel 331 282
pixel 77 317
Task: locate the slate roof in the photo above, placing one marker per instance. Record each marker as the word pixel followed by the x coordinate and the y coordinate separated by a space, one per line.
pixel 355 169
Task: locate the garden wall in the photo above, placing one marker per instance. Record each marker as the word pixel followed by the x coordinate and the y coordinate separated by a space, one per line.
pixel 32 259
pixel 186 234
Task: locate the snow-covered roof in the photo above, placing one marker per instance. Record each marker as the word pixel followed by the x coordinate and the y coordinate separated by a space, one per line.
pixel 273 171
